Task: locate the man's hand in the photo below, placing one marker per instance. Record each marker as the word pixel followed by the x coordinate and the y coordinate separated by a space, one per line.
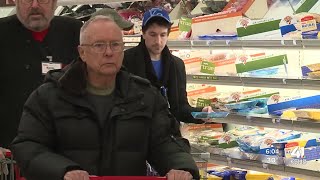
pixel 178 175
pixel 76 175
pixel 207 109
pixel 3 166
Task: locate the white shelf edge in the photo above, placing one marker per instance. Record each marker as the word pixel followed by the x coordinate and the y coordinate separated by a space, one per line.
pixel 287 83
pixel 271 122
pixel 246 43
pixel 311 43
pixel 205 44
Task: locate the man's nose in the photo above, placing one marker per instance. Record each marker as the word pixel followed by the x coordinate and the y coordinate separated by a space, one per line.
pixel 108 51
pixel 34 3
pixel 158 39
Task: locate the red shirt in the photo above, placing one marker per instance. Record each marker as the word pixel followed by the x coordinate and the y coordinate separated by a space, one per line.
pixel 39 36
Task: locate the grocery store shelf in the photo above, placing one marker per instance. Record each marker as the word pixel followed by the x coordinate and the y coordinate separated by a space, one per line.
pixel 73 2
pixel 212 79
pixel 244 43
pixel 237 43
pixel 259 166
pixel 267 168
pixel 310 43
pixel 288 83
pixel 271 122
pixel 205 44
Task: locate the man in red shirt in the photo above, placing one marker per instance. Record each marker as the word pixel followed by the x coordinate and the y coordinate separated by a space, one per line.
pixel 33 42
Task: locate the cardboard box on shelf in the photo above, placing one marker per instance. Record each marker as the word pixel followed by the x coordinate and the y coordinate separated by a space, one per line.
pixel 201 97
pixel 226 20
pixel 258 29
pixel 174 31
pixel 220 67
pixel 254 9
pixel 193 65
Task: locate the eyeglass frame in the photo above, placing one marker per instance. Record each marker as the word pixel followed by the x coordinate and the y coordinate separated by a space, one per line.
pixel 105 48
pixel 31 1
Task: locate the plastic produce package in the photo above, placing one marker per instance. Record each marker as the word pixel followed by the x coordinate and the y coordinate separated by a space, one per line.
pixel 203 115
pixel 241 105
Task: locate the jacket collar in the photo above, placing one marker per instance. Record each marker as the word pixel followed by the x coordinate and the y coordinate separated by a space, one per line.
pixel 166 57
pixel 74 79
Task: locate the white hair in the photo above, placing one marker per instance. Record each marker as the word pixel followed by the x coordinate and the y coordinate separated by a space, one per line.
pixel 90 21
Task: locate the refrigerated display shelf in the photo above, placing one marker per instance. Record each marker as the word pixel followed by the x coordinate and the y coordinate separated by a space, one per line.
pixel 264 120
pixel 260 166
pixel 205 44
pixel 236 43
pixel 208 44
pixel 284 82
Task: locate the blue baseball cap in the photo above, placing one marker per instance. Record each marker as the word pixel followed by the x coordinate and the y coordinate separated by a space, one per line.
pixel 155 12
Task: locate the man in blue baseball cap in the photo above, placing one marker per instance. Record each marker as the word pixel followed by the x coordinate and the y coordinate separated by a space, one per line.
pixel 152 60
pixel 155 12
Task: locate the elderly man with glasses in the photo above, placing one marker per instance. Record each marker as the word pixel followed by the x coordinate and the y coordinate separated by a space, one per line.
pixel 33 41
pixel 93 117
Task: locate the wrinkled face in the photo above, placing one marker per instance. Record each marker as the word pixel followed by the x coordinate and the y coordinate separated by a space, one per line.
pixel 102 48
pixel 156 38
pixel 34 15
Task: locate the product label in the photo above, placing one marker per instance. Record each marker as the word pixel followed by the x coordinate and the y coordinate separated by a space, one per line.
pixel 207 67
pixel 185 24
pixel 204 77
pixel 262 63
pixel 226 138
pixel 308 25
pixel 209 89
pixel 247 27
pixel 305 5
pixel 203 102
pixel 235 97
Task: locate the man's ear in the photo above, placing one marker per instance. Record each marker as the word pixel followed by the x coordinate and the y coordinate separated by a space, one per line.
pixel 81 53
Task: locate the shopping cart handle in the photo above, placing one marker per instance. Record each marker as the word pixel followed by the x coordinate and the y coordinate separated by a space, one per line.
pixel 8 154
pixel 127 178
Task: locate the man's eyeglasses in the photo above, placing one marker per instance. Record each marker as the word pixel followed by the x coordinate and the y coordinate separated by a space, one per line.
pixel 102 47
pixel 39 1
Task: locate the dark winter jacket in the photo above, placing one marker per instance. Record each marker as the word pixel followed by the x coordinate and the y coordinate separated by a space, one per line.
pixel 137 61
pixel 59 130
pixel 21 58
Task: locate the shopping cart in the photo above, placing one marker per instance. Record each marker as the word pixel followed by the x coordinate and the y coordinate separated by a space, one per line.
pixel 201 159
pixel 8 164
pixel 14 171
pixel 127 178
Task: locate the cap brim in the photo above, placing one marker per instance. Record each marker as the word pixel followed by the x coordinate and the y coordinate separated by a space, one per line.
pixel 154 17
pixel 125 25
pixel 122 23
